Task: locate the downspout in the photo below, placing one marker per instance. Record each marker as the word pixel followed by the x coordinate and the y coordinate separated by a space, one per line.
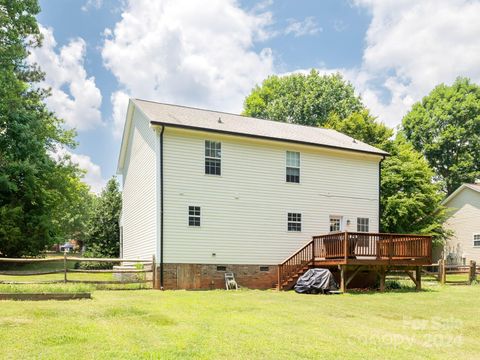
pixel 380 194
pixel 161 207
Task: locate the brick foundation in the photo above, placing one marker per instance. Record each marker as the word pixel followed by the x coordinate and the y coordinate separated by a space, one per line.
pixel 207 276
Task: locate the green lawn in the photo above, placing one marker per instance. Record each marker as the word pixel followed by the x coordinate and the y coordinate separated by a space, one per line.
pixel 440 322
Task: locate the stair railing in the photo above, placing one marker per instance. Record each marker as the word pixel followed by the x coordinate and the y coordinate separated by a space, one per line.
pixel 293 264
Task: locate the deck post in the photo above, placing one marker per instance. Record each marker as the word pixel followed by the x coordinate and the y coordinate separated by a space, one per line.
pixel 382 273
pixel 345 246
pixel 343 287
pixel 279 269
pixel 418 278
pixel 154 272
pixel 472 275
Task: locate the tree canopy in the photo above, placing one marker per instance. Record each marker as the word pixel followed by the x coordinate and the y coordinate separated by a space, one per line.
pixel 103 230
pixel 302 99
pixel 445 127
pixel 34 187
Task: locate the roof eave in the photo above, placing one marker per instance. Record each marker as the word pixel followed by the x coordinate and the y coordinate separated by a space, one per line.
pixel 125 137
pixel 226 132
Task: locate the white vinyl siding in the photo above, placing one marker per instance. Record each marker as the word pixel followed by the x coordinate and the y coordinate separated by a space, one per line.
pixel 243 212
pixel 139 207
pixel 464 221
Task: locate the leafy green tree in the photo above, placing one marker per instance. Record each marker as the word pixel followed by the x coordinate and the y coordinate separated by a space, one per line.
pixel 302 99
pixel 410 200
pixel 362 126
pixel 103 234
pixel 32 183
pixel 445 127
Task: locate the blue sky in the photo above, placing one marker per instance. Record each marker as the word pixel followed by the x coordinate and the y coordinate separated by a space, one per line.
pixel 97 53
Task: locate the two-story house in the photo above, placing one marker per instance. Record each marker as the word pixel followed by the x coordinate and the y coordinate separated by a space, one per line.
pixel 208 192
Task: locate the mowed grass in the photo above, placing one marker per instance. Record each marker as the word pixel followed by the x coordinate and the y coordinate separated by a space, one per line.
pixel 438 323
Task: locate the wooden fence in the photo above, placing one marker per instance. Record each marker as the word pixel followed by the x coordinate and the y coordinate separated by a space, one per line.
pixel 147 267
pixel 442 269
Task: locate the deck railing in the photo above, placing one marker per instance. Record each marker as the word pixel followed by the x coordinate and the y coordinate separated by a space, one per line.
pixel 342 246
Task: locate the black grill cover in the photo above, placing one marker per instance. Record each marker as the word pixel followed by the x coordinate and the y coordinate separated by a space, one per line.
pixel 316 281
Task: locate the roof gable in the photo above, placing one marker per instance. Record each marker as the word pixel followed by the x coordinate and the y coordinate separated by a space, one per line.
pixel 474 187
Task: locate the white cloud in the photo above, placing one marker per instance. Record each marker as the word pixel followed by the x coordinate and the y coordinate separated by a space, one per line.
pixel 187 53
pixel 92 4
pixel 301 28
pixel 75 96
pixel 411 46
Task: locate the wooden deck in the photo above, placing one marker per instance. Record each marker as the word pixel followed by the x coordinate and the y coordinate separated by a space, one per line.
pixel 346 249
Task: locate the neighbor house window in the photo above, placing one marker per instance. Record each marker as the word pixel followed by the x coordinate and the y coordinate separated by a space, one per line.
pixel 213 155
pixel 362 224
pixel 476 240
pixel 294 222
pixel 335 223
pixel 194 216
pixel 293 167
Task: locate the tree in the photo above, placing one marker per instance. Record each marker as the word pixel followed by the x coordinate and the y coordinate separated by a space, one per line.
pixel 445 127
pixel 103 234
pixel 410 200
pixel 302 99
pixel 32 184
pixel 362 126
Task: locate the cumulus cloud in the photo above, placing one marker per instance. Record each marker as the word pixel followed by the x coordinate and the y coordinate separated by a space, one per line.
pixel 411 46
pixel 92 4
pixel 187 53
pixel 75 96
pixel 308 26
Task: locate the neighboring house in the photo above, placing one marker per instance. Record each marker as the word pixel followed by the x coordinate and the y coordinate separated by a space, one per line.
pixel 464 221
pixel 208 192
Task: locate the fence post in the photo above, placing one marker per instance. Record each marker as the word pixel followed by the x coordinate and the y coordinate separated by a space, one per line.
pixel 472 275
pixel 154 272
pixel 442 274
pixel 64 266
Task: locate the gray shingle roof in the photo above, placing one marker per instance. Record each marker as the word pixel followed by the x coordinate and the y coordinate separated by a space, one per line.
pixel 216 121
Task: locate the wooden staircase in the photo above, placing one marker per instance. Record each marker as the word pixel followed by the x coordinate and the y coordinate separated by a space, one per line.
pixel 292 280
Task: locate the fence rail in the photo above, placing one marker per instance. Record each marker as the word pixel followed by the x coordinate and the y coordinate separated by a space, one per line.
pixel 149 266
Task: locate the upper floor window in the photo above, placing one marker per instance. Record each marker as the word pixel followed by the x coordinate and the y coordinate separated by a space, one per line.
pixel 476 240
pixel 194 216
pixel 362 224
pixel 293 166
pixel 294 222
pixel 213 155
pixel 335 223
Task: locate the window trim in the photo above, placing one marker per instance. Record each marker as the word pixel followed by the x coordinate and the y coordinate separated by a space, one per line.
pixel 205 157
pixel 341 227
pixel 293 167
pixel 473 238
pixel 295 222
pixel 194 216
pixel 367 224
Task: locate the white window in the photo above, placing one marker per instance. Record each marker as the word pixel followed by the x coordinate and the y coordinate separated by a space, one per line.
pixel 476 240
pixel 294 222
pixel 213 155
pixel 335 223
pixel 194 216
pixel 293 167
pixel 362 224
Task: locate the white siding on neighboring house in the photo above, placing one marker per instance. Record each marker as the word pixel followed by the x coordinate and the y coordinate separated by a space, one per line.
pixel 244 211
pixel 139 194
pixel 464 221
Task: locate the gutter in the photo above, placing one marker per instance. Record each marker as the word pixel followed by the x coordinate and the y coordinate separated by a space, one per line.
pixel 380 193
pixel 161 207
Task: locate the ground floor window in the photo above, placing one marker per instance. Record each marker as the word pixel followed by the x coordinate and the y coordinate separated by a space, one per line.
pixel 194 216
pixel 476 240
pixel 335 223
pixel 294 222
pixel 363 224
